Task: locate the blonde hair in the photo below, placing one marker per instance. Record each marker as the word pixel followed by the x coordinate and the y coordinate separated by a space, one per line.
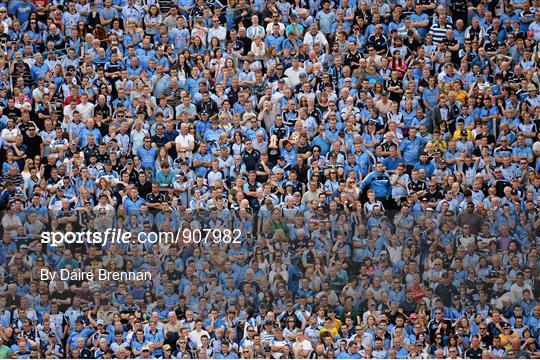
pixel 279 235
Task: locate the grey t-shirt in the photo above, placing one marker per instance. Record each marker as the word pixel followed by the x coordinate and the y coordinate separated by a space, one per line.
pixel 108 14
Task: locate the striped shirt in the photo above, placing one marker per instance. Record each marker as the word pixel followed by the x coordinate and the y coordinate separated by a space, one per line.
pixel 254 30
pixel 267 337
pixel 439 32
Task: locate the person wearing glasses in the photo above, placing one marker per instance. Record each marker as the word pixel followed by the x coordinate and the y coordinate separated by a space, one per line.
pixel 183 348
pixel 439 326
pixel 167 352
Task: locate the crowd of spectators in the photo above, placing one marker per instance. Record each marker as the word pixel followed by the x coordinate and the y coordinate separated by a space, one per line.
pixel 381 159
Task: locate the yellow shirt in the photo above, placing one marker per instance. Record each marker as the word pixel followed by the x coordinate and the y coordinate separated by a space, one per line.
pixel 508 340
pixel 457 134
pixel 333 331
pixel 461 96
pixel 337 324
pixel 441 145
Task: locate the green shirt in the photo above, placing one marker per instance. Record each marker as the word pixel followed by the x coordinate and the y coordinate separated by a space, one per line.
pixel 5 352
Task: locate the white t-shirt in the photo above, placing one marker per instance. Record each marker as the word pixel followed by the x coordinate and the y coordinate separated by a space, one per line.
pixel 195 336
pixel 9 221
pixel 137 138
pixel 185 142
pixel 278 355
pixel 86 110
pixel 13 132
pixel 302 346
